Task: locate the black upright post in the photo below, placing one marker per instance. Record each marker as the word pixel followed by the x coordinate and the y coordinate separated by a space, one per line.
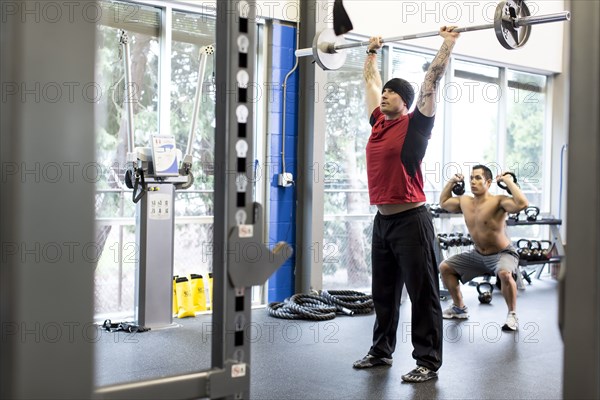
pixel 235 54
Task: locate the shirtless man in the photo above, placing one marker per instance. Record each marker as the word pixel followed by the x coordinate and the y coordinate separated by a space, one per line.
pixel 485 216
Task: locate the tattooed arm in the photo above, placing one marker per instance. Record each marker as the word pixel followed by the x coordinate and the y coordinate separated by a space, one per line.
pixel 426 101
pixel 373 83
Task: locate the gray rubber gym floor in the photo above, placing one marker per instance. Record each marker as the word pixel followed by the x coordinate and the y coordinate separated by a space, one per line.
pixel 313 360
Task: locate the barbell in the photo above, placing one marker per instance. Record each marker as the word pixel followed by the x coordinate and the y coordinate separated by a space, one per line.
pixel 512 25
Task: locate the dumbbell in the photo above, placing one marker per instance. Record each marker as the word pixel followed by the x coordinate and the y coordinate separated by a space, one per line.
pixel 443 239
pixel 462 240
pixel 503 186
pixel 467 240
pixel 454 239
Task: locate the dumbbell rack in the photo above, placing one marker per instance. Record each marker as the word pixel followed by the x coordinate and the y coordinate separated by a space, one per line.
pixel 439 250
pixel 554 225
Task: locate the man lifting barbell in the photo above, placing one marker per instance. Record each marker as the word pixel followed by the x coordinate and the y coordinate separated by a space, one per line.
pixel 485 216
pixel 403 235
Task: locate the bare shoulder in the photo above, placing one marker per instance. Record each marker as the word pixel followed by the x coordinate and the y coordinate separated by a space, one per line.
pixel 466 203
pixel 498 200
pixel 466 199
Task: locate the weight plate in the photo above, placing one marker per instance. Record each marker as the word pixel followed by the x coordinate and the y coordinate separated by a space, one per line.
pixel 324 52
pixel 509 35
pixel 129 178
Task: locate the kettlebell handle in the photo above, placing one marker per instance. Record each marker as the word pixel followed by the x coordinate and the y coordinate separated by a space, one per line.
pixel 489 285
pixel 503 185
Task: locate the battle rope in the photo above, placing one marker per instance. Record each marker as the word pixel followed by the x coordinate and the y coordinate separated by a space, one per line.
pixel 323 306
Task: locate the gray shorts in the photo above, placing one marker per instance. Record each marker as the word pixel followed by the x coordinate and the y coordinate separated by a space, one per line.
pixel 471 264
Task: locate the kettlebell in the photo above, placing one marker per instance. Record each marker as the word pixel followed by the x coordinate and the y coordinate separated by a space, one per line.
pixel 536 250
pixel 503 186
pixel 485 296
pixel 459 188
pixel 524 249
pixel 546 249
pixel 532 213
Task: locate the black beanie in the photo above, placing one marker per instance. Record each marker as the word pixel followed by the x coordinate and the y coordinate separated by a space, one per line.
pixel 403 88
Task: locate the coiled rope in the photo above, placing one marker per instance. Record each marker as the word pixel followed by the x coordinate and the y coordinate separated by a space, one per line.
pixel 322 306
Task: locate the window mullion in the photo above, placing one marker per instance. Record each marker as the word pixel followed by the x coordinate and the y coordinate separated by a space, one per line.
pixel 446 141
pixel 164 80
pixel 502 121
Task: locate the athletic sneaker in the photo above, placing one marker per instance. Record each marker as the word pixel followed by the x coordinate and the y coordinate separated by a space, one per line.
pixel 512 322
pixel 369 361
pixel 419 374
pixel 456 312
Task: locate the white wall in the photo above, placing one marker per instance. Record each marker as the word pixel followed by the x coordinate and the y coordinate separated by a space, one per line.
pixel 543 51
pixel 389 18
pixel 287 10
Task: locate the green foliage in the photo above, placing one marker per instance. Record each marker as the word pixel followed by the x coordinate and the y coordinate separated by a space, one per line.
pixel 112 122
pixel 524 146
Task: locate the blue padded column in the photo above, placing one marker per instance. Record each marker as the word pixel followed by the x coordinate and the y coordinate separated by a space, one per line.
pixel 282 212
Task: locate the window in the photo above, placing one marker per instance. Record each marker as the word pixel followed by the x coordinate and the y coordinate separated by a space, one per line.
pixel 473 99
pixel 525 140
pixel 348 216
pixel 115 274
pixel 192 102
pixel 525 131
pixel 115 271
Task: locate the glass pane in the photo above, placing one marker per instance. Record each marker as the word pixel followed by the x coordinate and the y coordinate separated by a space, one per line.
pixel 193 103
pixel 526 115
pixel 525 139
pixel 348 218
pixel 473 98
pixel 412 67
pixel 114 278
pixel 484 71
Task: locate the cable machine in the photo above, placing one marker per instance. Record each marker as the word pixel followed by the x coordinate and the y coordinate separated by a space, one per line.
pixel 154 173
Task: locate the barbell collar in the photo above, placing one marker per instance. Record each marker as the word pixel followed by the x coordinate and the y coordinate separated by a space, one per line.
pixel 304 52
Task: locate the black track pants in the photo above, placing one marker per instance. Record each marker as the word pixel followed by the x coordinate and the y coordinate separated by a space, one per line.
pixel 403 253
